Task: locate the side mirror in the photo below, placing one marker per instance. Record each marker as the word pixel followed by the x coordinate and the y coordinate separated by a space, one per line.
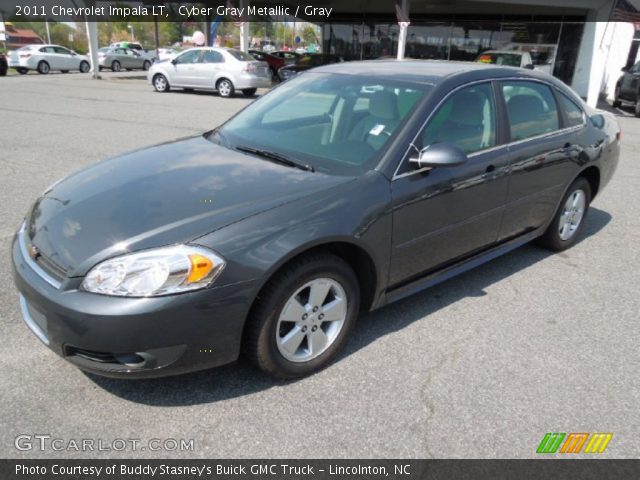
pixel 624 69
pixel 439 155
pixel 174 61
pixel 530 66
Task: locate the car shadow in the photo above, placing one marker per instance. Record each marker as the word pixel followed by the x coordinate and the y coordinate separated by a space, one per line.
pixel 240 378
pixel 617 111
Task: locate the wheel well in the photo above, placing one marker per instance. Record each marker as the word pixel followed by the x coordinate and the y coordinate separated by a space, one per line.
pixel 357 258
pixel 592 174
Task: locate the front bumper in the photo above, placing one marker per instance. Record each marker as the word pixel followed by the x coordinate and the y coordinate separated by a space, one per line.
pixel 133 337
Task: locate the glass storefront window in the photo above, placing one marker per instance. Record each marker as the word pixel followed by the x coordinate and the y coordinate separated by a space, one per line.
pixel 553 46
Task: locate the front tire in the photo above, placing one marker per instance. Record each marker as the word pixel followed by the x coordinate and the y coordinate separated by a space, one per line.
pixel 568 222
pixel 84 67
pixel 249 92
pixel 225 88
pixel 43 68
pixel 146 65
pixel 22 71
pixel 160 83
pixel 115 66
pixel 636 107
pixel 303 316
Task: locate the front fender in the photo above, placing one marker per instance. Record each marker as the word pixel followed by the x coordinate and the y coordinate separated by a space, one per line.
pixel 355 213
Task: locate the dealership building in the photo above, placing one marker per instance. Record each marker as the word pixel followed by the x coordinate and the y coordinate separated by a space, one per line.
pixel 585 43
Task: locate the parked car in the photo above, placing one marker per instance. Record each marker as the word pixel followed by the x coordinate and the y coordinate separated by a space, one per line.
pixel 275 63
pixel 267 46
pixel 340 191
pixel 149 53
pixel 207 68
pixel 288 56
pixel 306 62
pixel 167 53
pixel 4 66
pixel 47 58
pixel 508 58
pixel 627 90
pixel 117 58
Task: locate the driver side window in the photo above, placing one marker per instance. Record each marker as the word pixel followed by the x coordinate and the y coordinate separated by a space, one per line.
pixel 189 57
pixel 466 119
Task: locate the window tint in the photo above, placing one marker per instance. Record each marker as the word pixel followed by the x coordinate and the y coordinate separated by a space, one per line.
pixel 47 50
pixel 572 111
pixel 189 57
pixel 531 108
pixel 62 51
pixel 466 119
pixel 211 56
pixel 239 55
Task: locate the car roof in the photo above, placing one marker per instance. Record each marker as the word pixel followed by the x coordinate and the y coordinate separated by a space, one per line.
pixel 422 71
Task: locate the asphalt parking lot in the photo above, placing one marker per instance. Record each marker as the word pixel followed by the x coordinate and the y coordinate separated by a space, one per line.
pixel 481 366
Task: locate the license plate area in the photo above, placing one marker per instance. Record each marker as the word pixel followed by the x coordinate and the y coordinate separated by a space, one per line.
pixel 35 320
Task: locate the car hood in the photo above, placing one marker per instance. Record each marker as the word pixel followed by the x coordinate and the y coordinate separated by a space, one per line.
pixel 167 194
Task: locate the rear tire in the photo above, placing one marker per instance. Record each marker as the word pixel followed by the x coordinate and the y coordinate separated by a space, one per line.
pixel 64 71
pixel 636 107
pixel 249 92
pixel 568 222
pixel 287 334
pixel 43 68
pixel 225 88
pixel 161 84
pixel 22 71
pixel 115 66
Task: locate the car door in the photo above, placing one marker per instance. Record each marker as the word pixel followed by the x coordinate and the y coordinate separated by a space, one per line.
pixel 65 58
pixel 541 154
pixel 208 69
pixel 184 71
pixel 50 55
pixel 630 83
pixel 446 213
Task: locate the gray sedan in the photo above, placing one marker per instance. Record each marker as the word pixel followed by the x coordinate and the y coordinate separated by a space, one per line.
pixel 118 58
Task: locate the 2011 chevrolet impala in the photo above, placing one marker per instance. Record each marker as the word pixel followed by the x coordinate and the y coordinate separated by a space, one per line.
pixel 344 189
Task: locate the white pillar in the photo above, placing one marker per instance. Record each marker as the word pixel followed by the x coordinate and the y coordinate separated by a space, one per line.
pixel 92 35
pixel 592 56
pixel 403 21
pixel 244 29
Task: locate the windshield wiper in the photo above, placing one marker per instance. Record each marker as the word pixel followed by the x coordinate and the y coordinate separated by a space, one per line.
pixel 276 157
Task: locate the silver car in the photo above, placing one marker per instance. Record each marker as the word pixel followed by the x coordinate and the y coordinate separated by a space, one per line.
pixel 47 58
pixel 117 58
pixel 208 68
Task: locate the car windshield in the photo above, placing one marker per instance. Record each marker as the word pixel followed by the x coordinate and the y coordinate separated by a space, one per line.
pixel 239 55
pixel 337 124
pixel 507 59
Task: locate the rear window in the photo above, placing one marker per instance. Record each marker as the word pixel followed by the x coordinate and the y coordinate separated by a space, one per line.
pixel 242 56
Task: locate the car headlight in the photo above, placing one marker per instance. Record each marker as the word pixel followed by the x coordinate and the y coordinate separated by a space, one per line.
pixel 159 271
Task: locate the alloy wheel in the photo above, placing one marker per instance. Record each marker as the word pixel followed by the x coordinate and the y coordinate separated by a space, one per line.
pixel 311 320
pixel 160 83
pixel 572 214
pixel 224 88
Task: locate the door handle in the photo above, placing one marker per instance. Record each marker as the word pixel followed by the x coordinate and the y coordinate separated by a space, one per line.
pixel 490 169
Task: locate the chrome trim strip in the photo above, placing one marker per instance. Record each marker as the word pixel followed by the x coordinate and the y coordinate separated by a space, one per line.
pixel 33 326
pixel 34 266
pixel 494 147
